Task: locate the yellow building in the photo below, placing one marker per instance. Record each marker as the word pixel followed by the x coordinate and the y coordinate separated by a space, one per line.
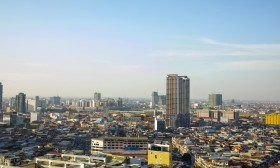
pixel 159 154
pixel 272 119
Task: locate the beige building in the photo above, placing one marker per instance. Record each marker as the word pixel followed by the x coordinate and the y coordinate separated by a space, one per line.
pixel 177 101
pixel 120 145
pixel 218 115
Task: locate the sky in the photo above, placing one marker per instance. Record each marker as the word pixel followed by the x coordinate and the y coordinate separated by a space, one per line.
pixel 126 48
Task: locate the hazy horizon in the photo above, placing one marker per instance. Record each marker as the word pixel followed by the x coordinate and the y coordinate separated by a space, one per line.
pixel 126 48
pixel 228 100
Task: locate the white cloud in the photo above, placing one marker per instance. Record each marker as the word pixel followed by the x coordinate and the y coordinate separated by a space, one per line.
pixel 251 65
pixel 197 53
pixel 222 49
pixel 242 46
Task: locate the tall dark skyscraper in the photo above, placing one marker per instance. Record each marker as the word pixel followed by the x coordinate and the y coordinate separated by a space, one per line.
pixel 177 101
pixel 13 103
pixel 38 103
pixel 1 96
pixel 20 103
pixel 154 99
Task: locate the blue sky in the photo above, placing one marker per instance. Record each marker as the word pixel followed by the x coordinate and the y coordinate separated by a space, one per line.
pixel 126 48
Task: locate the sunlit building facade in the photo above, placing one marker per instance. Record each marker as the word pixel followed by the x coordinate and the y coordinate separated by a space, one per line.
pixel 177 101
pixel 272 119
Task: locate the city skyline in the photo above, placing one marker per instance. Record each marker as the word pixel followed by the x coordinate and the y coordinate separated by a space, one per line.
pixel 125 49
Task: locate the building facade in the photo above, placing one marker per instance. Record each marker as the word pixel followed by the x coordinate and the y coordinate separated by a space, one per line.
pixel 10 118
pixel 97 145
pixel 162 100
pixel 55 100
pixel 119 102
pixel 1 97
pixel 159 124
pixel 120 145
pixel 31 105
pixel 272 119
pixel 160 155
pixel 177 101
pixel 155 99
pixel 223 116
pixel 35 116
pixel 1 102
pixel 97 96
pixel 215 100
pixel 20 103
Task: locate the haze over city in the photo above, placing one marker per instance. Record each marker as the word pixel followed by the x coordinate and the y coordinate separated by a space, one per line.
pixel 126 48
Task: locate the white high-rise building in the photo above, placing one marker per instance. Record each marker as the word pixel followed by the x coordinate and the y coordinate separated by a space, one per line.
pixel 82 103
pixel 31 105
pixel 177 101
pixel 92 103
pixel 35 116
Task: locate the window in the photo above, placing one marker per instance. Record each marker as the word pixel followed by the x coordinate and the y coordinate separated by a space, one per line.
pixel 155 156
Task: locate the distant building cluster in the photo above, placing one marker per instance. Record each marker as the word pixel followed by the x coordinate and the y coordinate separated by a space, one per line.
pixel 165 131
pixel 93 104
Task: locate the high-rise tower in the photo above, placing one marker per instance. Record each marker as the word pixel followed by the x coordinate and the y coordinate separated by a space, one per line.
pixel 215 100
pixel 1 97
pixel 154 99
pixel 55 100
pixel 20 103
pixel 97 96
pixel 177 101
pixel 1 102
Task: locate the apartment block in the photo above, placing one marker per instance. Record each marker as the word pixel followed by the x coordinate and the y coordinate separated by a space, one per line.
pixel 120 145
